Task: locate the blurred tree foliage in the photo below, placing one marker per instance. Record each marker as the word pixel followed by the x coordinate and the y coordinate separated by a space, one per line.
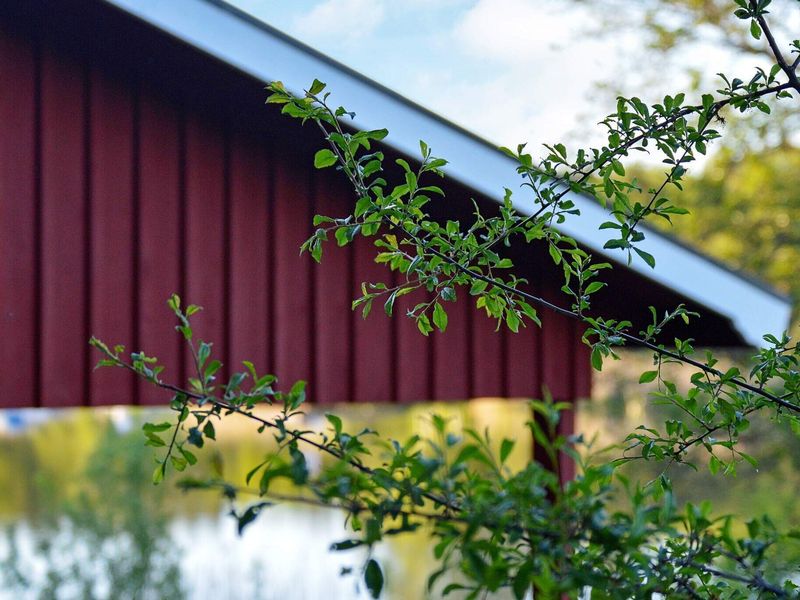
pixel 671 25
pixel 744 210
pixel 681 39
pixel 97 526
pixel 745 202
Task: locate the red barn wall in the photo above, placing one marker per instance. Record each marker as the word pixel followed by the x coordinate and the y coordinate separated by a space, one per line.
pixel 133 167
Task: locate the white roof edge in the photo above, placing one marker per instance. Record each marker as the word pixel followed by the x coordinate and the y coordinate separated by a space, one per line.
pixel 265 54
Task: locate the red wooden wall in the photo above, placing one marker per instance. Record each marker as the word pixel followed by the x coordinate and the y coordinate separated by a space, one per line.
pixel 116 190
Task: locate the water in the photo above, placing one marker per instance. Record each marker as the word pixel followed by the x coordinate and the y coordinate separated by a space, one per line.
pixel 82 520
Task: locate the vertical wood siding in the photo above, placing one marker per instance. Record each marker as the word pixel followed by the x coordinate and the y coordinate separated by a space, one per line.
pixel 115 193
pixel 112 251
pixel 160 203
pixel 20 224
pixel 65 235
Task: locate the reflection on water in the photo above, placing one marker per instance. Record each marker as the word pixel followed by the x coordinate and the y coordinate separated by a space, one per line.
pixel 82 520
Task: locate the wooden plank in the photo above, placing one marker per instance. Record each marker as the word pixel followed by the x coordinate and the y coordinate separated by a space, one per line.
pixel 373 343
pixel 112 232
pixel 160 238
pixel 524 350
pixel 581 390
pixel 18 224
pixel 64 354
pixel 557 355
pixel 488 356
pixel 414 370
pixel 523 360
pixel 249 286
pixel 558 374
pixel 452 353
pixel 333 280
pixel 291 283
pixel 581 360
pixel 206 233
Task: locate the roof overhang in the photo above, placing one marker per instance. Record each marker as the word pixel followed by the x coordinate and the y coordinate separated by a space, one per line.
pixel 264 53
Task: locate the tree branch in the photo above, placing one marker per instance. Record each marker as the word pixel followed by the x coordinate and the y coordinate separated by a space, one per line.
pixel 776 51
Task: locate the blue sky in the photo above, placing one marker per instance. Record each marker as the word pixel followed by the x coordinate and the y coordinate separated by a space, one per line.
pixel 509 70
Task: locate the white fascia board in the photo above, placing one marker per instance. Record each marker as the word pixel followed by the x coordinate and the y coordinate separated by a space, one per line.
pixel 267 55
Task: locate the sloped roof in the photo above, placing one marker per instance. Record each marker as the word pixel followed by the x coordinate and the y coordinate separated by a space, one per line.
pixel 262 52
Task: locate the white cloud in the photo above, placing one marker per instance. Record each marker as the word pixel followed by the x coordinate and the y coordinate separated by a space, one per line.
pixel 526 72
pixel 347 20
pixel 506 109
pixel 511 31
pixel 489 65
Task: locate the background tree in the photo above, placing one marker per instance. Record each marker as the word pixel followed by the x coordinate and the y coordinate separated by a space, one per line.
pixel 681 37
pixel 742 200
pixel 743 210
pixel 492 527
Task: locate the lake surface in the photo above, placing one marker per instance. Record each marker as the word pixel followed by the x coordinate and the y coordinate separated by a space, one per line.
pixel 81 519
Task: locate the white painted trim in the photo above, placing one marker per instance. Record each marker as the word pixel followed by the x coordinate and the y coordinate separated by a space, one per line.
pixel 268 55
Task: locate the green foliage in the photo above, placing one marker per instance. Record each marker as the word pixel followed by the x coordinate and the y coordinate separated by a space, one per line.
pixel 676 33
pixel 105 539
pixel 742 210
pixel 494 528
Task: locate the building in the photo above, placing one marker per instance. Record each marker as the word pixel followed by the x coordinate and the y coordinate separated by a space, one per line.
pixel 137 159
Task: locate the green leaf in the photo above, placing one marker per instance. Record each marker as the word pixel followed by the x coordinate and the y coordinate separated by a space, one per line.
pixel 478 285
pixel 203 353
pixel 346 545
pixel 714 464
pixel 388 306
pixel 440 317
pixel 648 376
pixel 362 205
pixel 254 470
pixel 512 321
pixel 505 449
pixel 424 325
pixel 298 392
pixel 212 368
pixel 342 236
pixel 597 359
pixel 324 158
pixel 158 474
pixel 522 581
pixel 373 577
pixel 555 253
pixel 594 287
pixel 154 440
pixel 190 458
pixel 335 422
pixel 377 134
pixel 755 29
pixel 249 515
pixel 298 471
pixel 648 258
pixel 316 87
pixel 156 427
